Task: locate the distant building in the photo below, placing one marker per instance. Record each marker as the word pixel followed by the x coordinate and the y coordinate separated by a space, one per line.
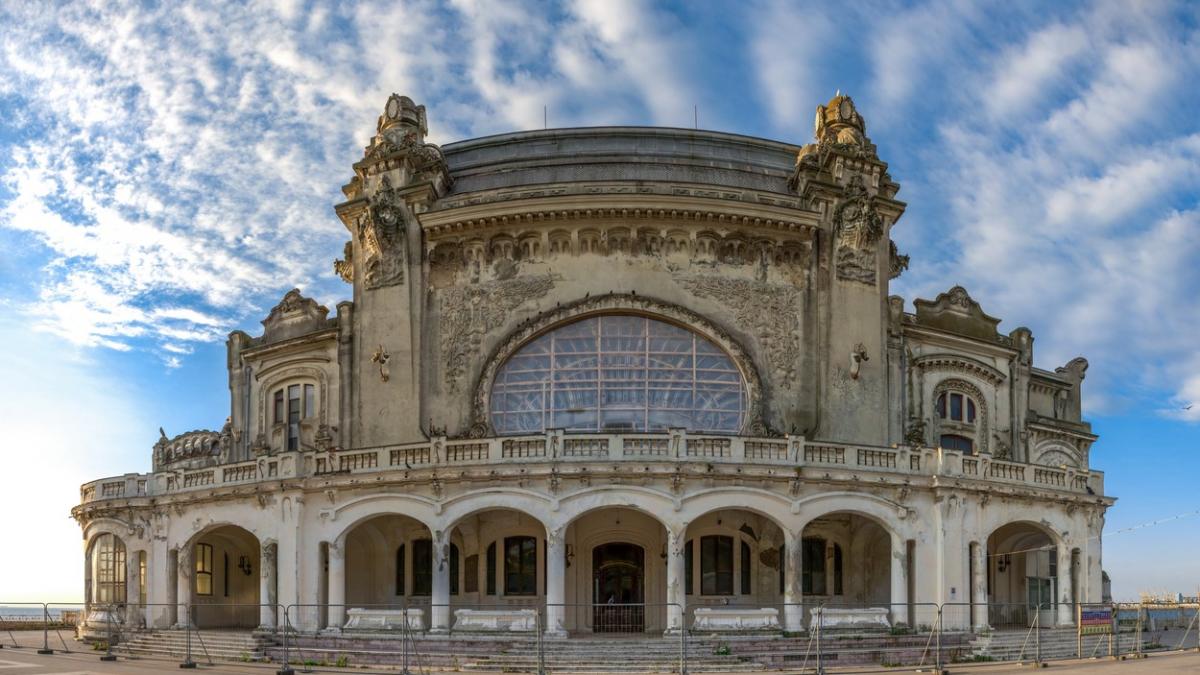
pixel 624 366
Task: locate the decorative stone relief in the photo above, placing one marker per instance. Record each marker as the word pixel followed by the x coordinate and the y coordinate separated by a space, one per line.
pixel 344 268
pixel 858 228
pixel 295 315
pixel 198 444
pixel 764 310
pixel 470 313
pixel 381 231
pixel 381 356
pixel 897 262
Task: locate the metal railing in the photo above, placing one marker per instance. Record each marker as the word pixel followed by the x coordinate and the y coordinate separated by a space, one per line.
pixel 532 636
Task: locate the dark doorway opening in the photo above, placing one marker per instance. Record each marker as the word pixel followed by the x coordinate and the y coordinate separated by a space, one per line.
pixel 619 575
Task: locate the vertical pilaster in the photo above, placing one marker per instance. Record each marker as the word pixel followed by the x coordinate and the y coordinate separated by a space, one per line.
pixel 133 591
pixel 979 614
pixel 900 580
pixel 337 585
pixel 676 575
pixel 267 586
pixel 183 586
pixel 439 610
pixel 556 581
pixel 1066 593
pixel 793 588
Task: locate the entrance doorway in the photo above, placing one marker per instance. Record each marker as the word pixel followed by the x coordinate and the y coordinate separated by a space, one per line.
pixel 618 583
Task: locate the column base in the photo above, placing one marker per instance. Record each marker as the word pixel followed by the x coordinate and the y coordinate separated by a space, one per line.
pixel 439 631
pixel 555 633
pixel 265 628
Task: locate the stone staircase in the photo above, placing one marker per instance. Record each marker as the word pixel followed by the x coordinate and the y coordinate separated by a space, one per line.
pixel 1056 643
pixel 217 645
pixel 614 655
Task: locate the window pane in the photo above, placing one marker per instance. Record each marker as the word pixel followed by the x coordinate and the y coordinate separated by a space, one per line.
pixel 618 373
pixel 278 407
pixel 970 411
pixel 453 569
pixel 490 581
pixel 941 406
pixel 716 565
pixel 520 566
pixel 422 567
pixel 745 571
pixel 956 442
pixel 837 569
pixel 688 575
pixel 813 565
pixel 310 401
pixel 400 570
pixel 956 412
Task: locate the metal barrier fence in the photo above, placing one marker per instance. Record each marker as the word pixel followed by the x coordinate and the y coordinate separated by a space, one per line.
pixel 529 635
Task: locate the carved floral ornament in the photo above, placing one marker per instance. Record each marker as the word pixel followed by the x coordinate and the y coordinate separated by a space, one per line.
pixel 858 228
pixel 381 233
pixel 755 425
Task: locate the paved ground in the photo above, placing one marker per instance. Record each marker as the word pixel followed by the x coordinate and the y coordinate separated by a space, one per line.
pixel 26 661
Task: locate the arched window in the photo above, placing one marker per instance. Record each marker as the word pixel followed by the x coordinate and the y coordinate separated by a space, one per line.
pixel 108 570
pixel 490 570
pixel 453 569
pixel 956 442
pixel 745 571
pixel 204 569
pixel 618 373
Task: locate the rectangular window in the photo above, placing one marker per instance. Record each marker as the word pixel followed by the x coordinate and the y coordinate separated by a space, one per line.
pixel 520 566
pixel 225 574
pixel 400 569
pixel 142 578
pixel 687 568
pixel 745 571
pixel 956 411
pixel 471 578
pixel 453 569
pixel 422 564
pixel 310 401
pixel 204 569
pixel 716 565
pixel 490 579
pixel 813 577
pixel 293 430
pixel 278 419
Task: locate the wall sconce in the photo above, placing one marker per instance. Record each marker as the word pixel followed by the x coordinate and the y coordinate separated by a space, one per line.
pixel 568 554
pixel 1004 563
pixel 244 565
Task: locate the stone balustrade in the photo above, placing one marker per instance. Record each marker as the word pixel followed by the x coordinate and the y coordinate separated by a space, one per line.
pixel 807 459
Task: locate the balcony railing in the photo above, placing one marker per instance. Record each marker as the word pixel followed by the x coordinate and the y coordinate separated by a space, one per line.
pixel 838 461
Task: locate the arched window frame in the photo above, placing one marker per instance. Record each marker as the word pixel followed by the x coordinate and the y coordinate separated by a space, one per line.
pixel 973 429
pixel 753 424
pixel 279 378
pixel 108 562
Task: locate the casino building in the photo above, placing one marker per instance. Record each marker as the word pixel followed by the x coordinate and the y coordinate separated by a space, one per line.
pixel 631 378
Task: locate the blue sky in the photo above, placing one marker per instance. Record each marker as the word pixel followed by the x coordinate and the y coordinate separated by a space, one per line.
pixel 168 172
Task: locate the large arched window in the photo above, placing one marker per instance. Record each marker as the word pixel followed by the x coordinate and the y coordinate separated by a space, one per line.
pixel 618 373
pixel 108 570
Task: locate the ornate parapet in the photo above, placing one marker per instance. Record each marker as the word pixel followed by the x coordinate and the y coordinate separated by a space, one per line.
pixel 192 448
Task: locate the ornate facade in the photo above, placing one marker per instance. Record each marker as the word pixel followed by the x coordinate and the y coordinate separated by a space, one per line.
pixel 642 367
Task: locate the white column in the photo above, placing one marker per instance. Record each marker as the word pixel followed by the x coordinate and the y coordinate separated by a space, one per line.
pixel 439 610
pixel 337 586
pixel 676 577
pixel 979 563
pixel 266 586
pixel 793 581
pixel 183 586
pixel 556 581
pixel 899 580
pixel 133 591
pixel 1066 610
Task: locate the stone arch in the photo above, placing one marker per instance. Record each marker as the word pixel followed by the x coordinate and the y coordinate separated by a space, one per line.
pixel 358 511
pixel 527 502
pixel 893 517
pixel 1056 453
pixel 620 303
pixel 770 505
pixel 573 506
